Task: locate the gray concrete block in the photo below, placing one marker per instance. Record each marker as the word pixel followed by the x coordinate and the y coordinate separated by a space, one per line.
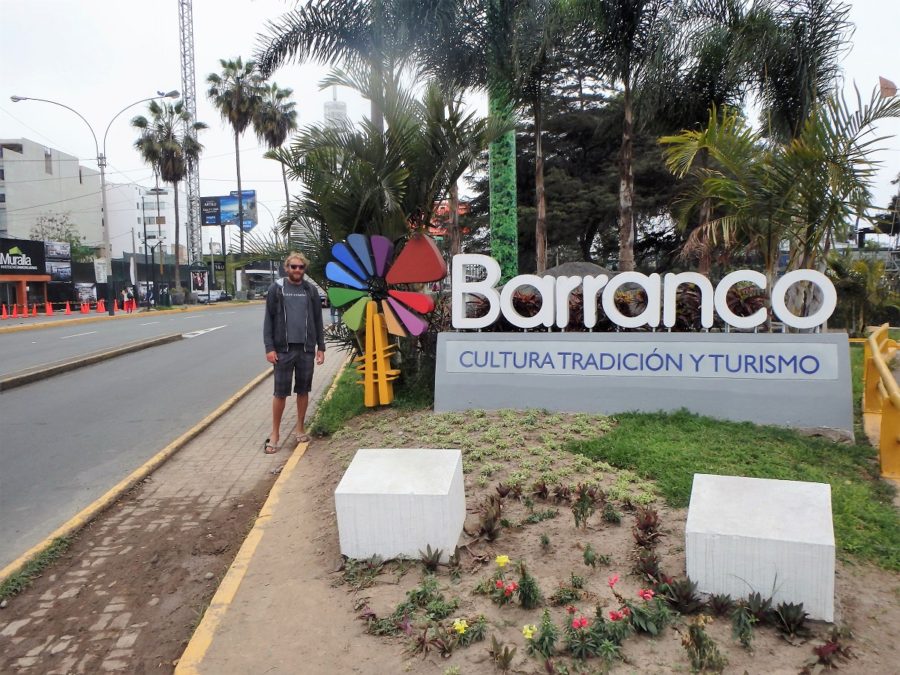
pixel 395 502
pixel 772 536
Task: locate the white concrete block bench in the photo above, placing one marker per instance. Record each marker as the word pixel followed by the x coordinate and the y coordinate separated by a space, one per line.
pixel 772 536
pixel 393 502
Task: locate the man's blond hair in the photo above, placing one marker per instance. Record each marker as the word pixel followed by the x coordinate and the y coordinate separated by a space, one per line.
pixel 296 255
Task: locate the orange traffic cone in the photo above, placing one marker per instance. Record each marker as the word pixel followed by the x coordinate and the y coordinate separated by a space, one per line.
pixel 116 305
pixel 48 309
pixel 15 312
pixel 34 310
pixel 84 308
pixel 68 309
pixel 4 314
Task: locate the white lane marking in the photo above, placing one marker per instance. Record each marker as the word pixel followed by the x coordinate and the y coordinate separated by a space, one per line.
pixel 203 331
pixel 66 337
pixel 185 317
pixel 149 323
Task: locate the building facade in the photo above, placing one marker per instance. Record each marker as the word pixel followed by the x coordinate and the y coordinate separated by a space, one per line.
pixel 37 183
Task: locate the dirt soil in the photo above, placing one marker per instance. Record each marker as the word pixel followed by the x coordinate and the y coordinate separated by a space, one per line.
pixel 174 575
pixel 154 594
pixel 504 447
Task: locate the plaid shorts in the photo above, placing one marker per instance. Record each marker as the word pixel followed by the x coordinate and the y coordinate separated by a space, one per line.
pixel 295 364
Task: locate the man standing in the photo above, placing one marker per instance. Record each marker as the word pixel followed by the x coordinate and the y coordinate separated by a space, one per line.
pixel 294 338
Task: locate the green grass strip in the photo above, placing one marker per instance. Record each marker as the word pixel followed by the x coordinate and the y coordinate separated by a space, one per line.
pixel 671 448
pixel 345 403
pixel 22 579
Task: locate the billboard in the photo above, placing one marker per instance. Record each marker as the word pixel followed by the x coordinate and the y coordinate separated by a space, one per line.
pixel 22 256
pixel 223 210
pixel 59 260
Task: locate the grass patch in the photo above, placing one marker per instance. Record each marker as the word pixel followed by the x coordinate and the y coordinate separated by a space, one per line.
pixel 22 579
pixel 671 448
pixel 346 401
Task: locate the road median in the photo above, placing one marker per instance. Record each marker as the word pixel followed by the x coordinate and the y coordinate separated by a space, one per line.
pixel 41 372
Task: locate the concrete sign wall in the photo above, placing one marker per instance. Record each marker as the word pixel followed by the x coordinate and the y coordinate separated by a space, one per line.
pixel 793 380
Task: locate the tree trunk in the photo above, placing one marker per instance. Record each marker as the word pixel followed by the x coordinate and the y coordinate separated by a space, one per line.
pixel 177 238
pixel 540 224
pixel 626 188
pixel 287 195
pixel 502 173
pixel 237 159
pixel 455 239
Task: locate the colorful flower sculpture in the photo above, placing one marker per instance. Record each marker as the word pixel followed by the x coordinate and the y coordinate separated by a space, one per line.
pixel 362 270
pixel 362 274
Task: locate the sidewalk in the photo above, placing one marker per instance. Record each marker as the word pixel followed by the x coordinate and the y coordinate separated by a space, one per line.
pixel 86 615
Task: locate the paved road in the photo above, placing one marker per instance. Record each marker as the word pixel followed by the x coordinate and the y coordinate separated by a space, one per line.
pixel 25 349
pixel 66 440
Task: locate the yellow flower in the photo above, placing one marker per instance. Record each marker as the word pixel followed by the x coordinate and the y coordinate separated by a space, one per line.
pixel 528 631
pixel 502 560
pixel 460 625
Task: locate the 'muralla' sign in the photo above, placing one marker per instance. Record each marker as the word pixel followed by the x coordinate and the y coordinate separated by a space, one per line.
pixel 788 379
pixel 661 293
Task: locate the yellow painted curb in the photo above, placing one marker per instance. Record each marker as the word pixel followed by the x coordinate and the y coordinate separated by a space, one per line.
pixel 202 638
pixel 99 505
pixel 189 663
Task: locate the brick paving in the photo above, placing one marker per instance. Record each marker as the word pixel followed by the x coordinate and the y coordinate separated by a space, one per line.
pixel 211 473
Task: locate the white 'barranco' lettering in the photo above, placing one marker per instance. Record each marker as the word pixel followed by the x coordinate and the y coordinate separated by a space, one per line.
pixel 661 294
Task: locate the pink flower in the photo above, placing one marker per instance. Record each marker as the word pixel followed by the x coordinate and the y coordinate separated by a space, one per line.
pixel 571 609
pixel 584 622
pixel 499 583
pixel 575 623
pixel 512 586
pixel 613 580
pixel 615 616
pixel 508 592
pixel 646 594
pixel 626 611
pixel 580 622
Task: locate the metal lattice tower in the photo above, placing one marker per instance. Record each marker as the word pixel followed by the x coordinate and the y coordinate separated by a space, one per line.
pixel 189 97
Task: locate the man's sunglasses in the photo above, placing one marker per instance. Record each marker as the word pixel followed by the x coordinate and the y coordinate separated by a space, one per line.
pixel 297 267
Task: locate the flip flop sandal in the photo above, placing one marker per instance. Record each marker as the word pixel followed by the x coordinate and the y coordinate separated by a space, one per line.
pixel 268 448
pixel 303 438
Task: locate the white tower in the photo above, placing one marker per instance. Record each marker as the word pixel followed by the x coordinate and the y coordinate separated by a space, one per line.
pixel 335 111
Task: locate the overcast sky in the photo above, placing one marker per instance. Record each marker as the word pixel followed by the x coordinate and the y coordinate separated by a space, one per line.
pixel 97 56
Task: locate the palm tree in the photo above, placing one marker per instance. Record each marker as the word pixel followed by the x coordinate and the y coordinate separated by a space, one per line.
pixel 804 191
pixel 167 146
pixel 356 178
pixel 474 42
pixel 236 93
pixel 353 33
pixel 630 36
pixel 273 120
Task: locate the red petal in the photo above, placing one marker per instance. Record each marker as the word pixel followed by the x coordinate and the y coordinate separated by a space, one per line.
pixel 420 261
pixel 420 302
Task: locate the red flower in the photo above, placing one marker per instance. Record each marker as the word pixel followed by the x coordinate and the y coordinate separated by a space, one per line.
pixel 626 611
pixel 508 592
pixel 613 580
pixel 571 609
pixel 512 586
pixel 575 624
pixel 646 594
pixel 615 616
pixel 584 622
pixel 499 583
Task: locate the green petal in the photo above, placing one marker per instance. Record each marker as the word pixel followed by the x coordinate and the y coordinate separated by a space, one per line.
pixel 354 316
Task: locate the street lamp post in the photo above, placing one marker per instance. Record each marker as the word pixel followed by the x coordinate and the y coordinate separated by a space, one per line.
pixel 101 163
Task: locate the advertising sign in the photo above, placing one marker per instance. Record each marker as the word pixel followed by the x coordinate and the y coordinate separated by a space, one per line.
pixel 224 210
pixel 22 256
pixel 59 260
